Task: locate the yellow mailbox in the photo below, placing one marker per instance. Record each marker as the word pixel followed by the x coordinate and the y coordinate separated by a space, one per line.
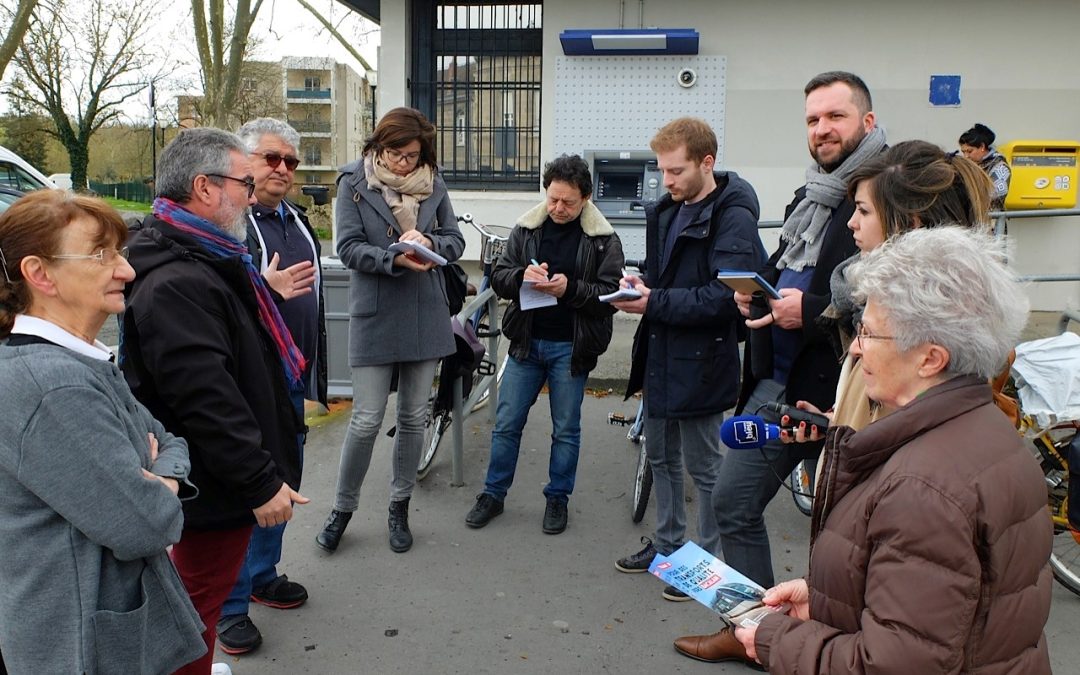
pixel 1044 174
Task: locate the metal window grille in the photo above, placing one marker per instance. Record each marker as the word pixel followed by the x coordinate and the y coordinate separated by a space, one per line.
pixel 482 91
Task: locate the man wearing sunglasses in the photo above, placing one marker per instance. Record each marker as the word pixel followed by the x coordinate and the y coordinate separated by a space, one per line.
pixel 286 250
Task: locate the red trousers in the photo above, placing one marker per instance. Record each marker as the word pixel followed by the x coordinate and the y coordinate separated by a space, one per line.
pixel 208 562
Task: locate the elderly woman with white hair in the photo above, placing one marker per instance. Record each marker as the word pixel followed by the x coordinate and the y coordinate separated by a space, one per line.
pixel 930 536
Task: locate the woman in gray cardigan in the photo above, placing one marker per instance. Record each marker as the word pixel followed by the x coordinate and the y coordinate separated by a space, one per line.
pixel 90 481
pixel 399 314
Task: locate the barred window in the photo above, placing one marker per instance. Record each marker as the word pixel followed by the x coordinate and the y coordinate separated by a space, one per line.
pixel 480 85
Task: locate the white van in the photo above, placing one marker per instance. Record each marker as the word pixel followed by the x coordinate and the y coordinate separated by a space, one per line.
pixel 17 174
pixel 61 180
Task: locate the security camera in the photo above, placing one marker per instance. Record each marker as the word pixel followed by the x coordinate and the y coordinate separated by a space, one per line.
pixel 687 77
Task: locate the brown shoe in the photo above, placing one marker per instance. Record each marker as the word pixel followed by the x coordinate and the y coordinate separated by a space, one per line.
pixel 721 646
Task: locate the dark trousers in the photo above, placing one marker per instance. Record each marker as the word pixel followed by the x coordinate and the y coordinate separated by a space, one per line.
pixel 208 562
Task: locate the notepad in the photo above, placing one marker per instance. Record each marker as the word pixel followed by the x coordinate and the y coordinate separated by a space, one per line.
pixel 530 298
pixel 621 294
pixel 747 282
pixel 417 252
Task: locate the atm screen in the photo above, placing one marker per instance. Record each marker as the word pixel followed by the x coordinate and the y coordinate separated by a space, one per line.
pixel 619 186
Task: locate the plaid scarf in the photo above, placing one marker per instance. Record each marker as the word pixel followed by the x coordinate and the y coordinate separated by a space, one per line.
pixel 220 245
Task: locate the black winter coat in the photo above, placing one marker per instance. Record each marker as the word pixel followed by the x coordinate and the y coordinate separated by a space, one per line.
pixel 597 272
pixel 195 353
pixel 686 352
pixel 815 369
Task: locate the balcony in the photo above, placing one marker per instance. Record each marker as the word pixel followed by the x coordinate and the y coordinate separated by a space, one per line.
pixel 310 126
pixel 309 94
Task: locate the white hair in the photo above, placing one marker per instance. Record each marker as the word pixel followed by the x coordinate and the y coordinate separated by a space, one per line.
pixel 948 286
pixel 252 132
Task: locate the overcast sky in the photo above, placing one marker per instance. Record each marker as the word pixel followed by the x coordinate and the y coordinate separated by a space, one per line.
pixel 282 28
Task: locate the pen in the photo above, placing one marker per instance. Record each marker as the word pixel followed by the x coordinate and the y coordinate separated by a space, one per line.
pixel 626 274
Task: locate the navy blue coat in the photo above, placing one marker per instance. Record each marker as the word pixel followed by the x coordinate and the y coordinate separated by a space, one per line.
pixel 686 352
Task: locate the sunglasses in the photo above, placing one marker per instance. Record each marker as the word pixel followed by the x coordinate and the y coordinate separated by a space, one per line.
pixel 273 159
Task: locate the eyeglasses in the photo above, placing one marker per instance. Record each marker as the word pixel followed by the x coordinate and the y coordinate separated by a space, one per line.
pixel 106 257
pixel 862 334
pixel 273 159
pixel 246 181
pixel 397 157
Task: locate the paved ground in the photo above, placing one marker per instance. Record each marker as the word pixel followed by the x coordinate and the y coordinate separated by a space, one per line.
pixel 488 601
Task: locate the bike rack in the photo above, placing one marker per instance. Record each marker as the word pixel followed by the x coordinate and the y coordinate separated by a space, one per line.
pixel 488 382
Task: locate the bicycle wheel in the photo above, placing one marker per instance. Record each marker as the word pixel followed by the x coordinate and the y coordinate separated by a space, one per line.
pixel 802 482
pixel 436 422
pixel 642 484
pixel 1065 559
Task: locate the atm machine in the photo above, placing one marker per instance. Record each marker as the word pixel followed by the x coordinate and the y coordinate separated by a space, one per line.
pixel 623 181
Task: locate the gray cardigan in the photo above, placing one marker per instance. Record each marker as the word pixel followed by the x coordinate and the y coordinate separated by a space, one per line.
pixel 395 314
pixel 85 583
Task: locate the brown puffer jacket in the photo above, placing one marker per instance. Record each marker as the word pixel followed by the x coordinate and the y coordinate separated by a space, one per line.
pixel 930 548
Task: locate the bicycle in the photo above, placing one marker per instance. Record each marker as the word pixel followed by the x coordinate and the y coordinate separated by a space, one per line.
pixel 481 317
pixel 643 478
pixel 1051 446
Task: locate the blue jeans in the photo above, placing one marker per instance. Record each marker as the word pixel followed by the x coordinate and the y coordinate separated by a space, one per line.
pixel 522 381
pixel 264 548
pixel 668 444
pixel 747 482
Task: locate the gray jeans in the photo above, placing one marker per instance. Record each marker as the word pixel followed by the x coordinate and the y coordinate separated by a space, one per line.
pixel 668 443
pixel 371 388
pixel 747 483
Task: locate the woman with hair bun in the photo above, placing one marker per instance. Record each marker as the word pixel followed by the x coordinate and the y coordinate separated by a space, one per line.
pixel 977 144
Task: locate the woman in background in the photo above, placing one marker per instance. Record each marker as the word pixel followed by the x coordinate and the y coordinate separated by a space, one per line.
pixel 977 144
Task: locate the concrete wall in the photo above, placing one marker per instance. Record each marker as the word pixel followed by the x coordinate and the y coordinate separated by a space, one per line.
pixel 1018 62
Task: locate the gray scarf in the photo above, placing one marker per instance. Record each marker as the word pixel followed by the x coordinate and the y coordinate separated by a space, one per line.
pixel 805 226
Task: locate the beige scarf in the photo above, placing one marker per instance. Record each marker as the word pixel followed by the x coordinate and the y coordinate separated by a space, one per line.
pixel 403 194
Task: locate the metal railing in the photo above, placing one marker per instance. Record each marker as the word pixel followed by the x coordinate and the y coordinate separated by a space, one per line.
pixel 308 93
pixel 457 415
pixel 1001 228
pixel 310 126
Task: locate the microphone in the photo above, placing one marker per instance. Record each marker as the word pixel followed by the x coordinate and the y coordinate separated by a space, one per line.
pixel 747 432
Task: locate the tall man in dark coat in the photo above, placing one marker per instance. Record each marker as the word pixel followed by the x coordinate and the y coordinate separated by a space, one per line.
pixel 686 348
pixel 205 350
pixel 788 357
pixel 285 248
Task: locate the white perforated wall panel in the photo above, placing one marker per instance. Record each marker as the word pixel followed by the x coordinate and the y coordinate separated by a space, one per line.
pixel 618 102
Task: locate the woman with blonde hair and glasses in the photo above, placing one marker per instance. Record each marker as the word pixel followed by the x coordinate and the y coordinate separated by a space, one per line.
pixel 399 317
pixel 90 481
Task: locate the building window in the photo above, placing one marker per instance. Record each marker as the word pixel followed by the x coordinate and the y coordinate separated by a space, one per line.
pixel 480 85
pixel 312 83
pixel 313 155
pixel 249 84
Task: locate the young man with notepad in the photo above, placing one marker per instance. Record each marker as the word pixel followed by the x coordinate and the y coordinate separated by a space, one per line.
pixel 686 354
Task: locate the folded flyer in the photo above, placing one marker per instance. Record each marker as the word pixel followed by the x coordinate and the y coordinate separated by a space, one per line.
pixel 699 574
pixel 417 252
pixel 621 294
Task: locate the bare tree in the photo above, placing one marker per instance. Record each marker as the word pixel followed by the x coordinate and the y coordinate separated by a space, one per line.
pixel 20 22
pixel 221 71
pixel 79 63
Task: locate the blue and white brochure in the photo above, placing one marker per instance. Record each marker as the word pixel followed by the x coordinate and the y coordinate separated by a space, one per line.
pixel 699 574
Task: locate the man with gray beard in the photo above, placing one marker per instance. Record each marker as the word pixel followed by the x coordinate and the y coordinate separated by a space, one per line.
pixel 205 349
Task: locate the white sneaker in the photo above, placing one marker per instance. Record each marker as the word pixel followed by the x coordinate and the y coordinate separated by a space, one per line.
pixel 220 669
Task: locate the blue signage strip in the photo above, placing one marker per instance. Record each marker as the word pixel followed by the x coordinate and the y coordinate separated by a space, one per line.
pixel 619 41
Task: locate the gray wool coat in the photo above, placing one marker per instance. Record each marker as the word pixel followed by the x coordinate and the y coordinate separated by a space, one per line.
pixel 395 314
pixel 85 583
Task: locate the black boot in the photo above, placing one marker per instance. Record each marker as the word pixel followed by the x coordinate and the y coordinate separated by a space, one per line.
pixel 331 533
pixel 400 537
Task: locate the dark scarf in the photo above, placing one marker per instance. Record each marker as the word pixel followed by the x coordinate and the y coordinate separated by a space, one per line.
pixel 220 245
